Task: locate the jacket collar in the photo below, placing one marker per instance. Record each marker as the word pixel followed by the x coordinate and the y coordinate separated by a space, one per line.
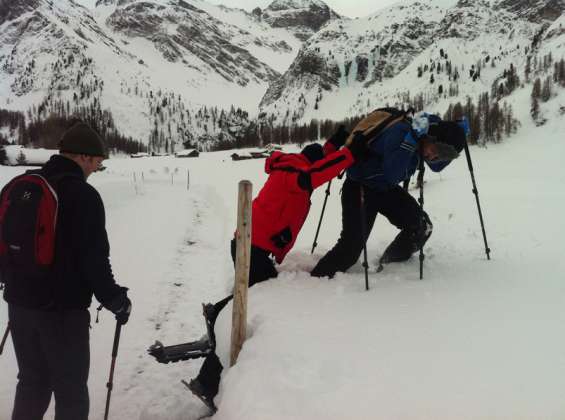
pixel 59 164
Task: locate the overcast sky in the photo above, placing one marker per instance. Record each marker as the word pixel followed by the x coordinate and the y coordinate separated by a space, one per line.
pixel 350 8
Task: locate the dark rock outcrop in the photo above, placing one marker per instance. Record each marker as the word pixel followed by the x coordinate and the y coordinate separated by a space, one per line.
pixel 305 17
pixel 538 11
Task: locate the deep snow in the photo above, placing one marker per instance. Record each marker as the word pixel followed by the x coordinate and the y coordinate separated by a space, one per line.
pixel 475 339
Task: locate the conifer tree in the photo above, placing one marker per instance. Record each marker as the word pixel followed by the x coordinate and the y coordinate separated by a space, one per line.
pixel 21 159
pixel 536 94
pixel 546 90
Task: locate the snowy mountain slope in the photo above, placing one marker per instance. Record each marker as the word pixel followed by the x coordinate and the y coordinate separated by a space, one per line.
pixel 351 67
pixel 174 72
pixel 182 32
pixel 475 339
pixel 269 43
pixel 123 53
pixel 32 40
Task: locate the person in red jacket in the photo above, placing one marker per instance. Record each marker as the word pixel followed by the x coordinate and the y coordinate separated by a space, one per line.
pixel 279 211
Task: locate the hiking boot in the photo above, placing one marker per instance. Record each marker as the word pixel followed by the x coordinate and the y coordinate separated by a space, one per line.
pixel 198 390
pixel 407 242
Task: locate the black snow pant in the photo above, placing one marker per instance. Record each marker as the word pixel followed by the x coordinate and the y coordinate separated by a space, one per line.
pixel 53 355
pixel 261 268
pixel 397 205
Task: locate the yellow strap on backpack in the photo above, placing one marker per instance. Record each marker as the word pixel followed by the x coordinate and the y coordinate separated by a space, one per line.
pixel 374 123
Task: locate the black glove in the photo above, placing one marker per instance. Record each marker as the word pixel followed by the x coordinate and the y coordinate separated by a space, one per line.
pixel 120 306
pixel 359 146
pixel 339 137
pixel 282 238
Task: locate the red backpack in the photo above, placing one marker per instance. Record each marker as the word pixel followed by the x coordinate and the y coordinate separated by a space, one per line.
pixel 28 218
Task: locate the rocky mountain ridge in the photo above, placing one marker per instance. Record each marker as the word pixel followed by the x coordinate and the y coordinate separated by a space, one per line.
pixel 350 67
pixel 304 17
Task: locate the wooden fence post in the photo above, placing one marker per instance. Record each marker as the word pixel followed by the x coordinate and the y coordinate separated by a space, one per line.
pixel 242 263
pixel 135 184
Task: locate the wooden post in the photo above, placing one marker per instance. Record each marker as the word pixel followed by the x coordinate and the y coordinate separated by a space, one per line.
pixel 187 179
pixel 242 263
pixel 135 183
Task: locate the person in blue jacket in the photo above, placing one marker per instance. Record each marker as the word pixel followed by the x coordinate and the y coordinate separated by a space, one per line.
pixel 394 156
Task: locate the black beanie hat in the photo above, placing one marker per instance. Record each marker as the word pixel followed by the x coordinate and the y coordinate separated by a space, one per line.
pixel 81 139
pixel 450 133
pixel 313 152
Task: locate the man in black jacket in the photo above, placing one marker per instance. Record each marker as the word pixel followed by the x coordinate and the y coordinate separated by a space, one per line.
pixel 50 322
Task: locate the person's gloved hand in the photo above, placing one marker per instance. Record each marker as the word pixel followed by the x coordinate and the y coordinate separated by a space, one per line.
pixel 420 124
pixel 120 306
pixel 339 137
pixel 359 146
pixel 412 138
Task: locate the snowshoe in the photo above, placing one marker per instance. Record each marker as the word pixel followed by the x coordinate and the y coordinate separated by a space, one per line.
pixel 193 349
pixel 198 390
pixel 406 243
pixel 185 351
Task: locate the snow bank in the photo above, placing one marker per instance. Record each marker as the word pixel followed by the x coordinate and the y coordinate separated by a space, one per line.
pixel 32 156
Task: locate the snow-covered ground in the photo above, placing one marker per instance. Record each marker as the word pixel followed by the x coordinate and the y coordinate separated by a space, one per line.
pixel 475 339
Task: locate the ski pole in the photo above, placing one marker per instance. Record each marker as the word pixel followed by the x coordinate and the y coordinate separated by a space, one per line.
pixel 315 244
pixel 364 233
pixel 421 201
pixel 110 383
pixel 4 338
pixel 476 192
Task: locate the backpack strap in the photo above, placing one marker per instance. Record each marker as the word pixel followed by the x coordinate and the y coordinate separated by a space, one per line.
pixel 379 120
pixel 53 180
pixel 396 116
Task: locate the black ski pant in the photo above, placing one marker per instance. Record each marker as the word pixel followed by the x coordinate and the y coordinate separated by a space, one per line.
pixel 397 205
pixel 261 268
pixel 53 355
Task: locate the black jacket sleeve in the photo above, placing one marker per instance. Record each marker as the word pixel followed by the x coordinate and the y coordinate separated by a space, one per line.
pixel 95 255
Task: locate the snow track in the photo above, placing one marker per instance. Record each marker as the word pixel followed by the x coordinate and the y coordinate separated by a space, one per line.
pixel 172 314
pixel 165 247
